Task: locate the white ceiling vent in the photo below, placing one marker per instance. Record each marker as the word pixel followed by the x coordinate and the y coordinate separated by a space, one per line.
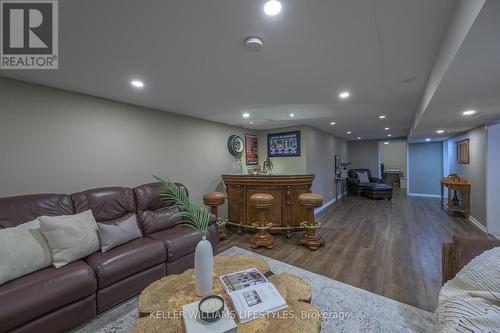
pixel 254 44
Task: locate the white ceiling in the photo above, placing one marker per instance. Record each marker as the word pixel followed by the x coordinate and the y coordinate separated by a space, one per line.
pixel 472 81
pixel 190 55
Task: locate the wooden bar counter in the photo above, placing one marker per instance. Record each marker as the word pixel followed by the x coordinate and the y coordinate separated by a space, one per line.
pixel 285 214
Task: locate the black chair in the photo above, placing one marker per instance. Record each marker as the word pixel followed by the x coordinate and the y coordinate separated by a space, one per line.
pixel 374 189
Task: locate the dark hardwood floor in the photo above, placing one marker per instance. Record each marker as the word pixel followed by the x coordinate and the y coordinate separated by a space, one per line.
pixel 391 248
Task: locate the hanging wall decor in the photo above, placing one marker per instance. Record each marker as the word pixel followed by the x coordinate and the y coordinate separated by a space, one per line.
pixel 283 144
pixel 463 151
pixel 251 149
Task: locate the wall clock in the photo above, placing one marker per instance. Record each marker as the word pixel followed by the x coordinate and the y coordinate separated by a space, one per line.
pixel 235 145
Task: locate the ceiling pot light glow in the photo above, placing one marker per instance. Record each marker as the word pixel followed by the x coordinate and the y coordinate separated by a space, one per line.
pixel 386 129
pixel 272 7
pixel 246 115
pixel 359 138
pixel 348 132
pixel 137 83
pixel 440 131
pixel 292 115
pixel 386 143
pixel 251 123
pixel 427 140
pixel 469 112
pixel 389 135
pixel 344 94
pixel 382 116
pixel 332 123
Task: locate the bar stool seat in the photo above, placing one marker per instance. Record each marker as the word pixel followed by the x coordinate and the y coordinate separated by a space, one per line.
pixel 262 202
pixel 214 200
pixel 310 238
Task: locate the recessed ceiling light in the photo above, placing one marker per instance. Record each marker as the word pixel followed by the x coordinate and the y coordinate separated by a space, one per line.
pixel 246 115
pixel 386 143
pixel 137 83
pixel 272 7
pixel 348 132
pixel 359 138
pixel 386 129
pixel 428 139
pixel 344 94
pixel 254 44
pixel 440 131
pixel 389 135
pixel 292 115
pixel 251 123
pixel 382 116
pixel 469 112
pixel 332 123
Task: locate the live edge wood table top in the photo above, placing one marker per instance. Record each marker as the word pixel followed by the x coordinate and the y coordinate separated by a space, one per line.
pixel 286 214
pixel 160 304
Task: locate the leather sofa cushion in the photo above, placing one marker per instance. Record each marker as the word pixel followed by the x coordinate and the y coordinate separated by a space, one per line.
pixel 465 249
pixel 126 260
pixel 24 208
pixel 44 291
pixel 179 241
pixel 155 214
pixel 109 204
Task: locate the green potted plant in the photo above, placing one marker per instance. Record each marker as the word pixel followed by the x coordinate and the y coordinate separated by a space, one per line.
pixel 198 219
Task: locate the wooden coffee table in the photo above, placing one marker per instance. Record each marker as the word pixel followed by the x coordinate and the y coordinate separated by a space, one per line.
pixel 160 304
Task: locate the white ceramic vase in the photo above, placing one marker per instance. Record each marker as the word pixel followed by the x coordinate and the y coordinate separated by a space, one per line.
pixel 203 267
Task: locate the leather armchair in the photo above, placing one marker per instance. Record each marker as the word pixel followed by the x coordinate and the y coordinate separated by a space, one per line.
pixel 355 186
pixel 457 253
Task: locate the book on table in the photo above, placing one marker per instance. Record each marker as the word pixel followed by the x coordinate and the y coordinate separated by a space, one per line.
pixel 252 295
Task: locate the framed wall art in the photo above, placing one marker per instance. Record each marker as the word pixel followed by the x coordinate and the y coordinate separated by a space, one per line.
pixel 283 144
pixel 251 149
pixel 463 151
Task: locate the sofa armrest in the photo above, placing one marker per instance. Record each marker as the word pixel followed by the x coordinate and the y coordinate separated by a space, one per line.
pixel 460 251
pixel 376 180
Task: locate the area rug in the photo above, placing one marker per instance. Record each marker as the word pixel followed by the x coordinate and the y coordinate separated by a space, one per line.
pixel 343 308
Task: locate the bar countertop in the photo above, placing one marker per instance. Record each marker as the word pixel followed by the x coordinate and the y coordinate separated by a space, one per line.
pixel 266 175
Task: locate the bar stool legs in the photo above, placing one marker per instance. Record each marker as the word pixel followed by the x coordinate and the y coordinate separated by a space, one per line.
pixel 214 200
pixel 310 238
pixel 262 202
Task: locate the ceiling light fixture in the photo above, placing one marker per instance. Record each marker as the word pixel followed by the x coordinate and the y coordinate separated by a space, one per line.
pixel 382 116
pixel 386 143
pixel 137 83
pixel 440 131
pixel 254 44
pixel 332 123
pixel 272 7
pixel 389 135
pixel 386 129
pixel 344 94
pixel 292 115
pixel 246 115
pixel 348 132
pixel 427 140
pixel 251 123
pixel 359 138
pixel 469 112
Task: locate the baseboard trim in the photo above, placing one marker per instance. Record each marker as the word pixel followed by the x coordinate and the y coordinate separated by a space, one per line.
pixel 477 224
pixel 425 195
pixel 325 205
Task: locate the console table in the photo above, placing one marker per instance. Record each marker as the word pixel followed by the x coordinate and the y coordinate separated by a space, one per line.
pixel 286 214
pixel 461 185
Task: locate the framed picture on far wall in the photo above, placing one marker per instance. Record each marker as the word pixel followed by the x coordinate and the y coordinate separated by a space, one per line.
pixel 251 149
pixel 463 151
pixel 283 144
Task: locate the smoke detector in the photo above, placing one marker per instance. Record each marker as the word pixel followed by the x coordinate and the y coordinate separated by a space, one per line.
pixel 254 44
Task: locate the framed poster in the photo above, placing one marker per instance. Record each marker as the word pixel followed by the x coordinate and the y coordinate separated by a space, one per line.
pixel 283 144
pixel 337 165
pixel 251 149
pixel 463 151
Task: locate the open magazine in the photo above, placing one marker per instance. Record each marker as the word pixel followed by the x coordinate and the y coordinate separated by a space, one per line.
pixel 252 295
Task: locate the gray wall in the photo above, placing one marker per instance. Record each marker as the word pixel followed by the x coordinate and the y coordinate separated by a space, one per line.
pixel 321 150
pixel 425 167
pixel 475 171
pixel 493 176
pixel 394 154
pixel 57 141
pixel 365 154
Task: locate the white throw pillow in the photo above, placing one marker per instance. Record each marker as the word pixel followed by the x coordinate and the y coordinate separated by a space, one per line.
pixel 23 250
pixel 70 237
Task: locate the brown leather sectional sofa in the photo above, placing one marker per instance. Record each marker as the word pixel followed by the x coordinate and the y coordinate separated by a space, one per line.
pixel 57 300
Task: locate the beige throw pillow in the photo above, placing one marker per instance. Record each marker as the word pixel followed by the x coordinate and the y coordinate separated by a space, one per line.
pixel 70 237
pixel 23 250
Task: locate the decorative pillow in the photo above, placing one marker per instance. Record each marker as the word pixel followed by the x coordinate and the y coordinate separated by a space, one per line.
pixel 70 237
pixel 112 235
pixel 470 302
pixel 23 250
pixel 363 177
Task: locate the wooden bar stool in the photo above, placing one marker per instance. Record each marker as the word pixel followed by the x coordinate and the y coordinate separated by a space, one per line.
pixel 310 238
pixel 214 200
pixel 262 202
